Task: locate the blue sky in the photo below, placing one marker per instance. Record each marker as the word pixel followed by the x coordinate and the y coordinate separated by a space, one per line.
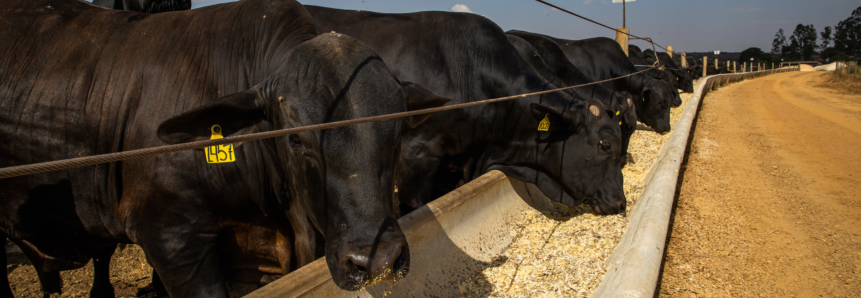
pixel 687 25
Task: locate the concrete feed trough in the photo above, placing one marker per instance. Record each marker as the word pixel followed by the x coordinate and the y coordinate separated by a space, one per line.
pixel 449 238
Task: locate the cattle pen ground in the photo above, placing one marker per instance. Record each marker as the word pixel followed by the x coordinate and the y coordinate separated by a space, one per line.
pixel 765 207
pixel 768 200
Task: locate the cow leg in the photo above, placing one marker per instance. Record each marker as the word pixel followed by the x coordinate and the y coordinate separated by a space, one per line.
pixel 5 288
pixel 187 265
pixel 51 282
pixel 627 132
pixel 157 286
pixel 102 286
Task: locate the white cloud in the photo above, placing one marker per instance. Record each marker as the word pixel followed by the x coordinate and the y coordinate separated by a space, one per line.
pixel 461 8
pixel 587 2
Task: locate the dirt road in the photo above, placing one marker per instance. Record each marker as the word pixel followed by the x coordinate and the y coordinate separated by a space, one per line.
pixel 769 201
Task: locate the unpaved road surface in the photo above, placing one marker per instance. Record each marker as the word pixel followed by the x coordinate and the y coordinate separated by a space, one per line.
pixel 769 202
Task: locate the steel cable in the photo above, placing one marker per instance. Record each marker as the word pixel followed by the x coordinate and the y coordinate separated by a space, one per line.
pixel 66 164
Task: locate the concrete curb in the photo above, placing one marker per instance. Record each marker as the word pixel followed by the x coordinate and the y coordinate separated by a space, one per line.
pixel 634 266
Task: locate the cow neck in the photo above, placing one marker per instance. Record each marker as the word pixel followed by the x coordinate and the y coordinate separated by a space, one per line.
pixel 255 43
pixel 514 126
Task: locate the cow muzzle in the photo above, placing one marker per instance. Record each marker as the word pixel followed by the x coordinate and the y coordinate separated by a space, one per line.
pixel 601 207
pixel 368 265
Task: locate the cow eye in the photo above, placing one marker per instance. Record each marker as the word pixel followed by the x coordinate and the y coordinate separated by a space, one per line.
pixel 295 141
pixel 605 147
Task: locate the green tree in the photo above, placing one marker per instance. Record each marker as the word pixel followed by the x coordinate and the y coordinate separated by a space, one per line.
pixel 756 53
pixel 803 41
pixel 826 38
pixel 847 34
pixel 792 50
pixel 778 43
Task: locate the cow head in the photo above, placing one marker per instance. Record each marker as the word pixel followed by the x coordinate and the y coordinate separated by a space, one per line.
pixel 653 106
pixel 685 81
pixel 342 176
pixel 676 100
pixel 577 160
pixel 627 110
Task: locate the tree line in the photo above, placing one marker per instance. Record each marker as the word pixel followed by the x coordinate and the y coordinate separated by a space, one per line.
pixel 841 43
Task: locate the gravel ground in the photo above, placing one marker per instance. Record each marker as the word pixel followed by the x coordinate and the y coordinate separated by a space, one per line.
pixel 129 271
pixel 561 253
pixel 764 208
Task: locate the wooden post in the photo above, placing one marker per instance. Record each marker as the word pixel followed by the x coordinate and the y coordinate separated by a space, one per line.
pixel 772 65
pixel 705 65
pixel 684 60
pixel 670 51
pixel 733 67
pixel 716 63
pixel 622 38
pixel 744 67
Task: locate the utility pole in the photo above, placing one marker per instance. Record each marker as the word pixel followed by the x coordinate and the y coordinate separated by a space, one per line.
pixel 622 33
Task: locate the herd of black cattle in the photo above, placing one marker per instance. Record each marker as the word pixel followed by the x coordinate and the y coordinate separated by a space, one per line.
pixel 77 80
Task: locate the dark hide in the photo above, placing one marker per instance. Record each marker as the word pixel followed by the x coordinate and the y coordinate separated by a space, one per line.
pixel 542 53
pixel 82 80
pixel 102 286
pixel 635 55
pixel 468 58
pixel 147 6
pixel 685 80
pixel 602 58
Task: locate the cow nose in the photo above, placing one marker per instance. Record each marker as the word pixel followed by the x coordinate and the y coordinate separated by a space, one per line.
pixel 381 262
pixel 610 208
pixel 622 206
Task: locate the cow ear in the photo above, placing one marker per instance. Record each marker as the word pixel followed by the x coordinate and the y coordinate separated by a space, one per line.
pixel 232 112
pixel 631 114
pixel 645 93
pixel 418 98
pixel 554 115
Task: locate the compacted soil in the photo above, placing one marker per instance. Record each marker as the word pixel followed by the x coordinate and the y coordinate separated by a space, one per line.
pixel 769 202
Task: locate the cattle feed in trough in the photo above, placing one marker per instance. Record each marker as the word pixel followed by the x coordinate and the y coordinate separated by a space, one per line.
pixel 175 206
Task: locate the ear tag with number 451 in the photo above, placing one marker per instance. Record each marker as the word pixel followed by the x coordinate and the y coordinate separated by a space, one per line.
pixel 219 153
pixel 545 124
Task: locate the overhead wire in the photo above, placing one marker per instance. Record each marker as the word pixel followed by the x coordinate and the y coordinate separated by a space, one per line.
pixel 65 164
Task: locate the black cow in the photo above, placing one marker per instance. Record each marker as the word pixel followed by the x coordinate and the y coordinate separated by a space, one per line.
pixel 51 281
pixel 635 55
pixel 80 80
pixel 684 79
pixel 147 6
pixel 550 63
pixel 603 58
pixel 469 58
pixel 545 56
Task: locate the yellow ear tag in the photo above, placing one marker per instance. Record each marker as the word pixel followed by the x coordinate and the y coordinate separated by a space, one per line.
pixel 620 122
pixel 545 124
pixel 617 113
pixel 219 153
